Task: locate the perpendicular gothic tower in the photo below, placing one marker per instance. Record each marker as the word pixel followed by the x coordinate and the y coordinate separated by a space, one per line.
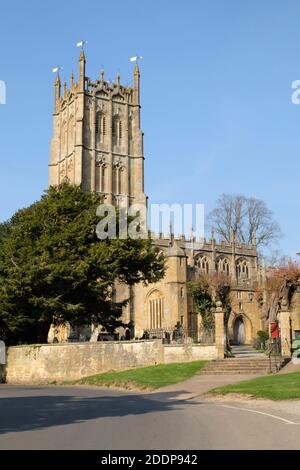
pixel 97 140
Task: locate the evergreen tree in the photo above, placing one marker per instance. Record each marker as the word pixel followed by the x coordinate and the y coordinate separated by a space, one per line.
pixel 54 268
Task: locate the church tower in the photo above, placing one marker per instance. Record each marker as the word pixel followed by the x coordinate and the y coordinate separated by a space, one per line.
pixel 97 140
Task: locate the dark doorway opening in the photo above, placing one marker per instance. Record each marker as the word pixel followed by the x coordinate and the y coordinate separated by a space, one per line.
pixel 239 331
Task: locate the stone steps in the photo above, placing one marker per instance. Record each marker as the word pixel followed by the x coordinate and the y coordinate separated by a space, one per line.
pixel 239 367
pixel 256 366
pixel 246 351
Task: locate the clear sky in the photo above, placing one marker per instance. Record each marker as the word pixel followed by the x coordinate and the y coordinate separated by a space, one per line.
pixel 216 95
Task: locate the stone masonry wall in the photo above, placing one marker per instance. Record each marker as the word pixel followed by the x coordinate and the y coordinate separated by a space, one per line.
pixel 189 352
pixel 60 362
pixel 46 363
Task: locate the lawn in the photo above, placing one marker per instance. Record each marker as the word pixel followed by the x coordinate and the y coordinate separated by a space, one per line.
pixel 274 387
pixel 146 378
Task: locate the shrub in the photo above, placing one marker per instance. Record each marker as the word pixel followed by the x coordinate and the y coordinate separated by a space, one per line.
pixel 261 341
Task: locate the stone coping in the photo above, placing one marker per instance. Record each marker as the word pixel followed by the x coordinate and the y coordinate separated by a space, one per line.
pixel 194 345
pixel 82 343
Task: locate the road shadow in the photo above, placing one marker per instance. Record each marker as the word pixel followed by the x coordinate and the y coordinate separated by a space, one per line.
pixel 38 411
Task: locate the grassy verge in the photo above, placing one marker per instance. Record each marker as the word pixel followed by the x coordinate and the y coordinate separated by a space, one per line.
pixel 274 387
pixel 146 378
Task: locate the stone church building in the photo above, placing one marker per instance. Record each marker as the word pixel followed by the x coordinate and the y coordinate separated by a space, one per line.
pixel 97 143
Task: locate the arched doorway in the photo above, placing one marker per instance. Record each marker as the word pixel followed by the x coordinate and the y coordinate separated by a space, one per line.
pixel 239 331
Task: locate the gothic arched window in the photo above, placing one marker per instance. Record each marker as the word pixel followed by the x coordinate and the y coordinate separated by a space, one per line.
pixel 119 175
pixel 222 265
pixel 101 172
pixel 117 129
pixel 203 264
pixel 155 310
pixel 100 127
pixel 242 269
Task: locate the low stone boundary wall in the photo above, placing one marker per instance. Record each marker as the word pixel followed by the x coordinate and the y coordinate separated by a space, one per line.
pixel 47 363
pixel 189 352
pixel 71 361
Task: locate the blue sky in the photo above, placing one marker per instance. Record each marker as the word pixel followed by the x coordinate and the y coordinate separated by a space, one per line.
pixel 216 95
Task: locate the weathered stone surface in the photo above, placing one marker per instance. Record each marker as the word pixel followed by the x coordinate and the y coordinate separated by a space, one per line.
pixel 59 362
pixel 98 143
pixel 189 353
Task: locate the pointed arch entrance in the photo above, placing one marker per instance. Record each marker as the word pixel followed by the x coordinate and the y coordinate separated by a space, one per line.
pixel 239 333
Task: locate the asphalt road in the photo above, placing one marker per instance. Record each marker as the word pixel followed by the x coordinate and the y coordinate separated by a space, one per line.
pixel 90 418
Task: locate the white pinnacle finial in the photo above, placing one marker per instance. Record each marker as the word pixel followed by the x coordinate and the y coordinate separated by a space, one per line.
pixel 136 58
pixel 56 69
pixel 81 44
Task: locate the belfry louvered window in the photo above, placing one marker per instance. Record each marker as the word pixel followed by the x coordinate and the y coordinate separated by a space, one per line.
pixel 100 127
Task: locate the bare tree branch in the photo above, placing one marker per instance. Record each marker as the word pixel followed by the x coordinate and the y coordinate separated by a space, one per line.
pixel 246 217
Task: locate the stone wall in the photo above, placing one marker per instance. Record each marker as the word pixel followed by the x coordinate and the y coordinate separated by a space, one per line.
pixel 189 352
pixel 46 363
pixel 60 362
